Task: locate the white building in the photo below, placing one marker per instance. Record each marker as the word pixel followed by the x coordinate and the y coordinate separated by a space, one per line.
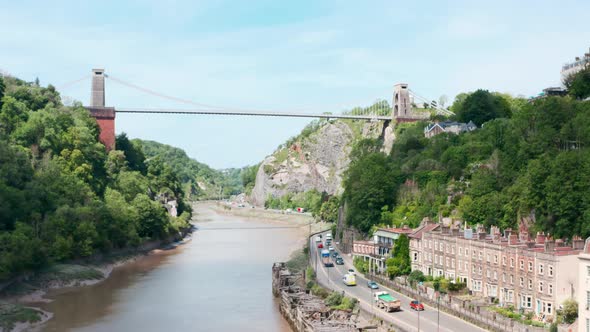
pixel 584 289
pixel 575 66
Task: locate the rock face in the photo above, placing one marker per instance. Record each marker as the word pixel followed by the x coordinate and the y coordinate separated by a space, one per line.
pixel 314 162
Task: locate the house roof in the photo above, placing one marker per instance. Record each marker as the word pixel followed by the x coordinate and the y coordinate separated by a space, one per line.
pixel 417 234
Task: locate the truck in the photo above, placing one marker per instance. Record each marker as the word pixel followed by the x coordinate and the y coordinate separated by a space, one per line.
pixel 387 302
pixel 326 258
pixel 349 279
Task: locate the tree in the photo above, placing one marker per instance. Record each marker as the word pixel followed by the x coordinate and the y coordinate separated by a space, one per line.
pixel 578 84
pixel 133 153
pixel 570 311
pixel 480 107
pixel 370 183
pixel 400 263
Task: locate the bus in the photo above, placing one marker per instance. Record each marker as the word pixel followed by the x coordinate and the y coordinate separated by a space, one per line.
pixel 326 258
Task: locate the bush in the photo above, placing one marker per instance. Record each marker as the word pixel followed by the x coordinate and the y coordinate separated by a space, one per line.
pixel 319 291
pixel 347 304
pixel 570 311
pixel 334 299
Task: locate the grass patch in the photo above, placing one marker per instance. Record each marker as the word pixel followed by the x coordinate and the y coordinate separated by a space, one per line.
pixel 10 314
pixel 66 273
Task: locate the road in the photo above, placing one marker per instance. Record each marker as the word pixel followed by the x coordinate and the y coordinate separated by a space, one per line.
pixel 406 318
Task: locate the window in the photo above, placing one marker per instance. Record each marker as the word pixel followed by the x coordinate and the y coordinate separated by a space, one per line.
pixel 466 266
pixel 453 250
pixel 496 259
pixel 473 253
pixel 511 262
pixel 479 270
pixel 587 300
pixel 540 287
pixel 530 266
pixel 511 279
pixel 521 282
pixel 415 256
pixel 460 251
pixel 488 258
pixel 447 262
pixel 453 263
pixel 526 301
pixel 521 264
pixel 429 244
pixel 481 255
pixel 541 269
pixel 551 271
pixel 530 284
pixel 503 260
pixel 495 275
pixel 473 268
pixel 488 273
pixel 550 289
pixel 503 277
pixel 549 308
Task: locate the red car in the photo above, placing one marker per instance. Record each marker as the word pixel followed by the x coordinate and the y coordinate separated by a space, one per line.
pixel 416 305
pixel 320 245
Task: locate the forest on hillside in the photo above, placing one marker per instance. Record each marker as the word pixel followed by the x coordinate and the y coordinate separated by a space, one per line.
pixel 62 196
pixel 528 161
pixel 199 181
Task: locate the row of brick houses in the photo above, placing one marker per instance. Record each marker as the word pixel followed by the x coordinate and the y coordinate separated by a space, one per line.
pixel 536 275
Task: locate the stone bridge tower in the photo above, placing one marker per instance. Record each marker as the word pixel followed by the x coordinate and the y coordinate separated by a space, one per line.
pixel 105 116
pixel 402 105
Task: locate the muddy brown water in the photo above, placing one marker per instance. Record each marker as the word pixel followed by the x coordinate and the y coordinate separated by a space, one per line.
pixel 220 281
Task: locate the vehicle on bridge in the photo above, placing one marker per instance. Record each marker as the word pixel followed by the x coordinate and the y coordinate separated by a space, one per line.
pixel 326 258
pixel 387 302
pixel 349 279
pixel 372 285
pixel 320 245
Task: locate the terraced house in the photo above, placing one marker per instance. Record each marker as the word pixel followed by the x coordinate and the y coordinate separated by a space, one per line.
pixel 533 275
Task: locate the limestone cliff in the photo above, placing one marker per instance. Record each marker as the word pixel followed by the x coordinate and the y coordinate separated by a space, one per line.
pixel 316 159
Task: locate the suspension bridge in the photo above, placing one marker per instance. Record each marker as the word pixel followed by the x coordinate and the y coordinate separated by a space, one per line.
pixel 402 108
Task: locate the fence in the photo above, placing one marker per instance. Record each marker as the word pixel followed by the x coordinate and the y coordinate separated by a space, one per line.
pixel 462 309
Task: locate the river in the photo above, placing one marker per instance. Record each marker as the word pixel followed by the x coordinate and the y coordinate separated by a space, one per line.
pixel 220 281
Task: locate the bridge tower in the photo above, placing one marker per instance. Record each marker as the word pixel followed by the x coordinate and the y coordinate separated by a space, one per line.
pixel 402 105
pixel 105 116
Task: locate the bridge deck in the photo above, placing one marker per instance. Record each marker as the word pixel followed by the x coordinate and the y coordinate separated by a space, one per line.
pixel 252 113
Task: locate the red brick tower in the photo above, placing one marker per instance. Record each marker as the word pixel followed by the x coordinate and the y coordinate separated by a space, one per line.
pixel 105 116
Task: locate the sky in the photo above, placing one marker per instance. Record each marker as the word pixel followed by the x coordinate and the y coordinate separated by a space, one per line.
pixel 312 56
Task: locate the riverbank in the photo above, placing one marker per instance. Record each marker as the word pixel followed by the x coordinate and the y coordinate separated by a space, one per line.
pixel 18 298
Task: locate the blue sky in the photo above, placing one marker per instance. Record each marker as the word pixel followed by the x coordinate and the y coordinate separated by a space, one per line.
pixel 315 56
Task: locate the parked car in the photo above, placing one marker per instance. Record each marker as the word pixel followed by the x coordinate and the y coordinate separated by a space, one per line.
pixel 339 261
pixel 372 285
pixel 416 305
pixel 320 245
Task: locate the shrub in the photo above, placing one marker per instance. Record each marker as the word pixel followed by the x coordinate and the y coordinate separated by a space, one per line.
pixel 334 299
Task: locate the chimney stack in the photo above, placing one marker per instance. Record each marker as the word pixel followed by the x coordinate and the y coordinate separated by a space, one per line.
pixel 513 239
pixel 577 243
pixel 549 245
pixel 540 239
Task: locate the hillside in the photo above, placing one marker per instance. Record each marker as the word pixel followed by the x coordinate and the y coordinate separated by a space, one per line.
pixel 526 168
pixel 62 196
pixel 199 180
pixel 315 160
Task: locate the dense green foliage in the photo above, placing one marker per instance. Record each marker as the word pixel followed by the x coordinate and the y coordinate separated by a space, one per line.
pixel 198 180
pixel 370 183
pixel 578 85
pixel 399 263
pixel 310 200
pixel 480 107
pixel 62 196
pixel 534 164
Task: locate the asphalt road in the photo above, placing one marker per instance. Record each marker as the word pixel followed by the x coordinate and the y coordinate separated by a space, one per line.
pixel 411 320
